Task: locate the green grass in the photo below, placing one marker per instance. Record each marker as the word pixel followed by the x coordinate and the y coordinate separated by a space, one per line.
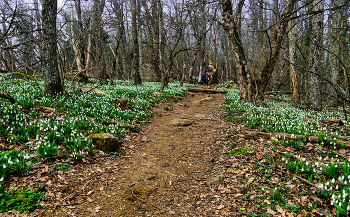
pixel 62 167
pixel 243 151
pixel 20 200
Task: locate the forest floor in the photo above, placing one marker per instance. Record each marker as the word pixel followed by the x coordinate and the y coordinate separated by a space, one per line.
pixel 167 170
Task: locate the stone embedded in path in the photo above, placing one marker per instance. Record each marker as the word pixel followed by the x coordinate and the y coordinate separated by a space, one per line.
pixel 181 122
pixel 105 142
pixel 207 99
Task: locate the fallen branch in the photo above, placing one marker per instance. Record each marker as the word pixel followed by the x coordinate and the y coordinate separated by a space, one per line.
pixel 6 96
pixel 277 99
pixel 311 139
pixel 197 90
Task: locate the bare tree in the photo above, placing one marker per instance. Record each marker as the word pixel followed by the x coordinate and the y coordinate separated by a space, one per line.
pixel 315 97
pixel 52 78
pixel 135 38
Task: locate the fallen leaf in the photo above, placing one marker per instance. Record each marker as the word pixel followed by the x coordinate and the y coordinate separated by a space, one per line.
pixel 220 207
pixel 279 209
pixel 90 192
pixel 71 207
pixel 270 211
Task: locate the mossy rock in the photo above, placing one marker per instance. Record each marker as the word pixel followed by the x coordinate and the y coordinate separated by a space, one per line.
pixel 105 142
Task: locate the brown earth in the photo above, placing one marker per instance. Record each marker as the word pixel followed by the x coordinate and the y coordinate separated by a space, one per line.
pixel 164 170
pixel 168 170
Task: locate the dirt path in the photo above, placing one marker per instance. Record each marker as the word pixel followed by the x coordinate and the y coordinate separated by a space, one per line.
pixel 166 170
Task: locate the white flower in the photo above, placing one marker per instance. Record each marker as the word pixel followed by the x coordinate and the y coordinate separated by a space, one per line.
pixel 339 204
pixel 333 180
pixel 327 183
pixel 303 159
pixel 346 183
pixel 2 179
pixel 4 166
pixel 337 187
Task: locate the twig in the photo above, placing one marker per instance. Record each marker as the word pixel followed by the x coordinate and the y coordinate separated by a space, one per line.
pixel 302 179
pixel 132 192
pixel 106 183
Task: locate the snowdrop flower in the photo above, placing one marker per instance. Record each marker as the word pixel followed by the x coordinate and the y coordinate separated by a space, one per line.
pixel 337 187
pixel 307 163
pixel 303 159
pixel 5 157
pixel 10 162
pixel 339 204
pixel 333 180
pixel 4 166
pixel 325 187
pixel 348 208
pixel 320 158
pixel 286 160
pixel 17 160
pixel 346 183
pixel 302 169
pixel 332 203
pixel 2 179
pixel 327 183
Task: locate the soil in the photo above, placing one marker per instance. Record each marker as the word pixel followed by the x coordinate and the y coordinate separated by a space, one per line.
pixel 167 170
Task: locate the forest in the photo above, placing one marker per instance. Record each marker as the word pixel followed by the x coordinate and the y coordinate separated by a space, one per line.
pixel 104 110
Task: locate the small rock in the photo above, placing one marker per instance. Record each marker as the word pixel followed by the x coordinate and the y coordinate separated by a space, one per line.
pixel 158 94
pixel 216 180
pixel 207 99
pixel 181 122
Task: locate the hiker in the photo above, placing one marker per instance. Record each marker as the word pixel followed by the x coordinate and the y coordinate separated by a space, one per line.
pixel 208 78
pixel 203 79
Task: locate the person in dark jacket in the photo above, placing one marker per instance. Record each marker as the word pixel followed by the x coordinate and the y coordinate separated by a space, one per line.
pixel 203 79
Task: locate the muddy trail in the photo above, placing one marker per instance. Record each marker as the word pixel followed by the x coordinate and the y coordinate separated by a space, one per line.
pixel 166 168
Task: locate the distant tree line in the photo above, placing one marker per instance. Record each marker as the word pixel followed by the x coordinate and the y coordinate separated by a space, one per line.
pixel 282 46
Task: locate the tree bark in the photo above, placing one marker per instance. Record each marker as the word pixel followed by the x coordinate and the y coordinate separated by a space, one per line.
pixel 315 97
pixel 52 78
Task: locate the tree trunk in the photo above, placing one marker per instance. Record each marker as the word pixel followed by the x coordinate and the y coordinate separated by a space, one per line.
pixel 275 50
pixel 136 58
pixel 52 78
pixel 201 36
pixel 315 97
pixel 293 74
pixel 335 51
pixel 74 44
pixel 81 33
pixel 232 30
